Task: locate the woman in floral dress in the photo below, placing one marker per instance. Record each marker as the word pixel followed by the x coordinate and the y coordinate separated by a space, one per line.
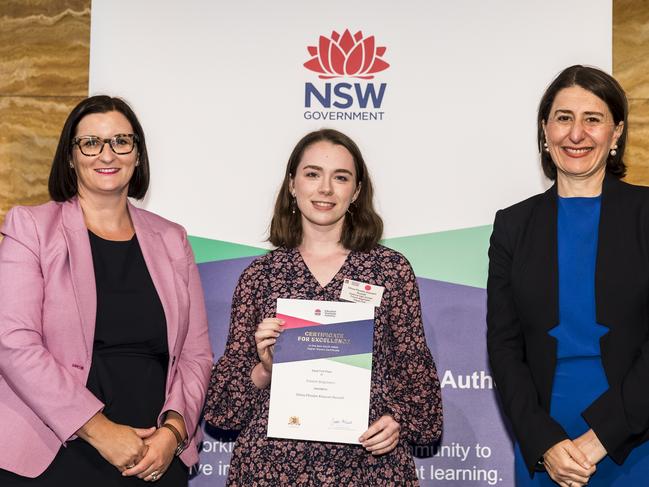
pixel 326 230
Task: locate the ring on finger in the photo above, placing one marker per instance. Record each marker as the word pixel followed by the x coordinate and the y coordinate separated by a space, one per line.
pixel 130 465
pixel 155 475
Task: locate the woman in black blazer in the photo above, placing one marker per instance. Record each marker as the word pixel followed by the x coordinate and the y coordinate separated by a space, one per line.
pixel 568 298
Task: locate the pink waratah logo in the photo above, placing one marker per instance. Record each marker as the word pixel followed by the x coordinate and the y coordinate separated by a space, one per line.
pixel 346 55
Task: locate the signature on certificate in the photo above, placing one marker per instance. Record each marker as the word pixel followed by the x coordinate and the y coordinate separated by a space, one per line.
pixel 341 424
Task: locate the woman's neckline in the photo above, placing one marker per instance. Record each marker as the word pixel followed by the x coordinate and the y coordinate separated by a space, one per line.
pixel 335 276
pixel 599 196
pixel 93 234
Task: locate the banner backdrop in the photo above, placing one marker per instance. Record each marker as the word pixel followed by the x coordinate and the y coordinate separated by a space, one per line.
pixel 440 96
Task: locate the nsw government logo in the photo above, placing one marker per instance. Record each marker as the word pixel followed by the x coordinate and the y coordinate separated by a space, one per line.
pixel 346 65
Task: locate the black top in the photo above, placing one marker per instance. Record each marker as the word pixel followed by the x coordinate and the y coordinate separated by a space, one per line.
pixel 130 354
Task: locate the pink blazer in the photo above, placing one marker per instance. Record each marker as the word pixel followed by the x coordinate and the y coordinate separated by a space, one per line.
pixel 48 305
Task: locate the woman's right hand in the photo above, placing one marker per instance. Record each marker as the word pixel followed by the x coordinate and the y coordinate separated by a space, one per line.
pixel 265 337
pixel 122 446
pixel 567 465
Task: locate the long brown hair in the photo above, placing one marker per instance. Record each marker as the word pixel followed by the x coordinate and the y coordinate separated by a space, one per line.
pixel 362 228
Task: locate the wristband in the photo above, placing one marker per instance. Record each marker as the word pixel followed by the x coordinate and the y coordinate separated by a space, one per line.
pixel 181 444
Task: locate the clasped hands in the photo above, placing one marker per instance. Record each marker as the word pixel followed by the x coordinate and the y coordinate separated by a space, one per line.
pixel 142 452
pixel 571 463
pixel 380 438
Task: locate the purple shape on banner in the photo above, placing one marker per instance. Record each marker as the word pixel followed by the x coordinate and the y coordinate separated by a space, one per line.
pixel 299 343
pixel 219 280
pixel 476 448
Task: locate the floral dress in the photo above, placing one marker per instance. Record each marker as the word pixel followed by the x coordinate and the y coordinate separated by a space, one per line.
pixel 404 380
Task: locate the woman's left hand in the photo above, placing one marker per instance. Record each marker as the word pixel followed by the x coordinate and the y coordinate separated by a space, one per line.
pixel 162 446
pixel 382 436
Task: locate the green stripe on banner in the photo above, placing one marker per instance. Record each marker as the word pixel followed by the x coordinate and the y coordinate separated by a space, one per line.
pixel 455 256
pixel 208 250
pixel 362 360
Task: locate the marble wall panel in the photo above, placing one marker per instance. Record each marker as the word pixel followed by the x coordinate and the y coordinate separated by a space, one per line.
pixel 44 62
pixel 637 151
pixel 631 69
pixel 29 132
pixel 631 46
pixel 44 47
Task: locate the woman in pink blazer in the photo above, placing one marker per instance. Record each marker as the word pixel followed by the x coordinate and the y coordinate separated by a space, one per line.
pixel 104 349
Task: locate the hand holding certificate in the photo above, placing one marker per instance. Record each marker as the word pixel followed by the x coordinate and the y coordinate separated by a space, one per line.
pixel 322 370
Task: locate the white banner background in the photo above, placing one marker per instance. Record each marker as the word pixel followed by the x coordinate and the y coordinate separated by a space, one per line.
pixel 219 88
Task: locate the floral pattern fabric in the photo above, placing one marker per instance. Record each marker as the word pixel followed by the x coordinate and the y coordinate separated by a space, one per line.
pixel 404 380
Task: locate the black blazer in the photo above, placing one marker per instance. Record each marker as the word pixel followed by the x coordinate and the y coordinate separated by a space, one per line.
pixel 522 306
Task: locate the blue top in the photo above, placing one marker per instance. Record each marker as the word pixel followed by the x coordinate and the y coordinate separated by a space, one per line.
pixel 577 333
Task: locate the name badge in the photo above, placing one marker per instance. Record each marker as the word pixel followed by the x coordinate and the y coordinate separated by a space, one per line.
pixel 361 292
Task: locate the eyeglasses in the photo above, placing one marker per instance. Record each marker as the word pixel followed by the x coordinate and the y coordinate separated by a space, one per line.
pixel 91 145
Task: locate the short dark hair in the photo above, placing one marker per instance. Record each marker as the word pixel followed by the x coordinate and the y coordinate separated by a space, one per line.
pixel 603 86
pixel 62 183
pixel 362 228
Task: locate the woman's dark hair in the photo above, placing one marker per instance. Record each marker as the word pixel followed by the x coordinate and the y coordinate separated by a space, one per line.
pixel 62 184
pixel 599 84
pixel 362 228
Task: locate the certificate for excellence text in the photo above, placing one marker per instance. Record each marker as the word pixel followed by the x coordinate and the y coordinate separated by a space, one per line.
pixel 322 369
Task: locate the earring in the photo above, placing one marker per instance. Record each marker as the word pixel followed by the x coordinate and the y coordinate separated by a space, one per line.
pixel 137 162
pixel 614 150
pixel 545 147
pixel 293 204
pixel 71 165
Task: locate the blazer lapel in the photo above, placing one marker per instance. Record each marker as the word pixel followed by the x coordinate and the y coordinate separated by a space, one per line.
pixel 545 260
pixel 548 270
pixel 161 270
pixel 81 268
pixel 609 234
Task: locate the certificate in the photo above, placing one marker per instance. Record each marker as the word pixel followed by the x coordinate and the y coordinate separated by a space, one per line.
pixel 322 371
